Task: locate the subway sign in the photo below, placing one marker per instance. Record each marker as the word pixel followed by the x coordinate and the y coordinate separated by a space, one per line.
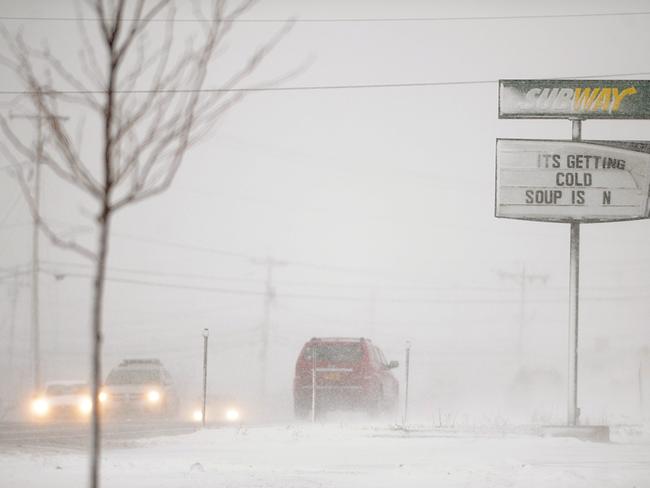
pixel 582 99
pixel 565 181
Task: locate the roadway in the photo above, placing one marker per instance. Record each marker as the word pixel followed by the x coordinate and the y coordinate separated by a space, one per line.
pixel 75 435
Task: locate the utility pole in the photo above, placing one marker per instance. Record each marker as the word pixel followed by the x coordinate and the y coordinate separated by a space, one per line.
pixel 269 296
pixel 522 278
pixel 35 323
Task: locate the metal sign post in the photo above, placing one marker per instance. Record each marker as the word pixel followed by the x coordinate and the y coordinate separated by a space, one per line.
pixel 205 374
pixel 313 384
pixel 573 181
pixel 406 383
pixel 574 300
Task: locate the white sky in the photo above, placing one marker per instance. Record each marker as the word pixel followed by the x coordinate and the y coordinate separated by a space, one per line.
pixel 384 196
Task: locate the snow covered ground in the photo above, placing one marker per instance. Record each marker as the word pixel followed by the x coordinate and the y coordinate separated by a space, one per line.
pixel 341 456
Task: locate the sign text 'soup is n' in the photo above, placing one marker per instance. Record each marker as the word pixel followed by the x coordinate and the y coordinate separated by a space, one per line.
pixel 565 180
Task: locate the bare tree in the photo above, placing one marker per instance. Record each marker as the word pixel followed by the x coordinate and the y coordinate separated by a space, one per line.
pixel 150 106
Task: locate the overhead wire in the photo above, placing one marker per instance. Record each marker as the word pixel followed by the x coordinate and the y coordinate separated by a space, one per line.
pixel 298 88
pixel 331 20
pixel 339 298
pixel 250 257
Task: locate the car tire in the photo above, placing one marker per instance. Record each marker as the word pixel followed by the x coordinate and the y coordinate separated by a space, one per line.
pixel 375 407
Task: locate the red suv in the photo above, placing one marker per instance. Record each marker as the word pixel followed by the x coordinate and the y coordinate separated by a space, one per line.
pixel 344 373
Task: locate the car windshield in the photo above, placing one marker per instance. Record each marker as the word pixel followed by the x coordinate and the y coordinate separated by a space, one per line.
pixel 60 390
pixel 335 352
pixel 133 377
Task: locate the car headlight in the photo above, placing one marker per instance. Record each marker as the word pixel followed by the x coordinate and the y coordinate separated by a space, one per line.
pixel 153 396
pixel 102 397
pixel 86 405
pixel 232 415
pixel 40 407
pixel 197 415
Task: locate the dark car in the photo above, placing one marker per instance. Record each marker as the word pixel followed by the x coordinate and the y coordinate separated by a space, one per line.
pixel 344 374
pixel 139 386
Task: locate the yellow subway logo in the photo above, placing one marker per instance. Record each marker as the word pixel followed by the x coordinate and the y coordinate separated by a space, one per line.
pixel 577 100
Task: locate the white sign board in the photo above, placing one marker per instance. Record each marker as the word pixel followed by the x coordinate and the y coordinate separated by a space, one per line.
pixel 566 181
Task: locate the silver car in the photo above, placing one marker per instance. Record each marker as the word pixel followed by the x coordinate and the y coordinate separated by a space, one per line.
pixel 139 386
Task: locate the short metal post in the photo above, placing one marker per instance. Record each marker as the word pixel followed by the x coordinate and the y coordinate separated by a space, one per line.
pixel 313 383
pixel 205 374
pixel 641 399
pixel 406 383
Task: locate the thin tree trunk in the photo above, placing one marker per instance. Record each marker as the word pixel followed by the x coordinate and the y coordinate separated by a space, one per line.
pixel 98 302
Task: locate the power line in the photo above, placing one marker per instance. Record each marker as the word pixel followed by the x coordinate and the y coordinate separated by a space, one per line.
pixel 416 287
pixel 295 88
pixel 158 284
pixel 333 20
pixel 306 296
pixel 302 264
pixel 183 246
pixel 147 272
pixel 286 283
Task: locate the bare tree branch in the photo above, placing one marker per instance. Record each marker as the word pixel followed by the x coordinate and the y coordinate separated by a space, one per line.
pixel 40 222
pixel 87 55
pixel 196 120
pixel 98 5
pixel 47 159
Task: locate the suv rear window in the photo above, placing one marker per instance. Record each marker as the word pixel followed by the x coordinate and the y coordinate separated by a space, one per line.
pixel 335 352
pixel 133 377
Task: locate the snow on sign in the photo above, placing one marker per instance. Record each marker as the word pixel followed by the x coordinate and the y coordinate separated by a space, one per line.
pixel 564 181
pixel 584 99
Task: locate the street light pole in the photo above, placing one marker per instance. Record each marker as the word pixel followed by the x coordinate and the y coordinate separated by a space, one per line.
pixel 205 373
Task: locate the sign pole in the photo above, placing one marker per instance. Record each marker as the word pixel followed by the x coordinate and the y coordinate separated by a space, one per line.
pixel 574 300
pixel 313 384
pixel 406 381
pixel 205 374
pixel 573 181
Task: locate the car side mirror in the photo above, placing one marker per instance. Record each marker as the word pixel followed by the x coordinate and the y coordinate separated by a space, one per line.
pixel 393 364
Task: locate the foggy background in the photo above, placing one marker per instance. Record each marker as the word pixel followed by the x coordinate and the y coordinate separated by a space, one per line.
pixel 377 204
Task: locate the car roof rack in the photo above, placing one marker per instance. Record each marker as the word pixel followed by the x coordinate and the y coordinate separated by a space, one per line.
pixel 339 339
